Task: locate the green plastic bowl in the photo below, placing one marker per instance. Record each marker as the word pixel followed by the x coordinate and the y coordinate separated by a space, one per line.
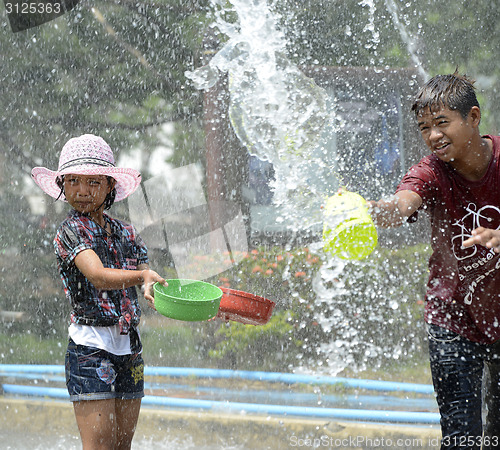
pixel 188 300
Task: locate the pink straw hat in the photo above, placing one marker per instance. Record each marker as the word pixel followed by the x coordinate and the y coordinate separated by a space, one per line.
pixel 87 155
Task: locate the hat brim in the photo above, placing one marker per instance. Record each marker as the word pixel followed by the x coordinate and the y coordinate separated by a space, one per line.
pixel 127 180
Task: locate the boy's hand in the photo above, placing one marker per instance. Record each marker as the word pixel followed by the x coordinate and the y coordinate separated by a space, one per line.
pixel 150 278
pixel 393 211
pixel 484 236
pixel 384 213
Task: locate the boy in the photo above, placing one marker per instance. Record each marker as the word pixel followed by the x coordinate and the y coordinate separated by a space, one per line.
pixel 458 185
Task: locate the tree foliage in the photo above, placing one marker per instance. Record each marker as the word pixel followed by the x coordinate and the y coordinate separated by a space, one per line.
pixel 111 68
pixel 116 67
pixel 395 33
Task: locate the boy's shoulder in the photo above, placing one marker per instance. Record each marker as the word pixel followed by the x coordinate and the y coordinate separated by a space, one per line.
pixel 429 163
pixel 495 140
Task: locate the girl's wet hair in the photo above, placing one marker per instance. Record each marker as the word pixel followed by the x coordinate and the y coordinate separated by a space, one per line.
pixel 60 184
pixel 454 91
pixel 108 201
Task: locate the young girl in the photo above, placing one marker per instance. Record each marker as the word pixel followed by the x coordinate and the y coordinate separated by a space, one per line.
pixel 100 260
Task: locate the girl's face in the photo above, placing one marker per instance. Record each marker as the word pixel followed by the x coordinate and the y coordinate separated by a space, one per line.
pixel 86 193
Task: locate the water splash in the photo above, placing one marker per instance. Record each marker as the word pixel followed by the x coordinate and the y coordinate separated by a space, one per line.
pixel 276 111
pixel 370 26
pixel 407 39
pixel 280 115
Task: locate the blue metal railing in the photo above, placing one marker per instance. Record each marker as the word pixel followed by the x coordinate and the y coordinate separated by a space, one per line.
pixel 214 405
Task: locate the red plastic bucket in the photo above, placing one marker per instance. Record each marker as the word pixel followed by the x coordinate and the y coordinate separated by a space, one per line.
pixel 245 308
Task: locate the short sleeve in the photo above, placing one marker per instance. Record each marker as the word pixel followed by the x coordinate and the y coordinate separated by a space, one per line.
pixel 69 241
pixel 421 179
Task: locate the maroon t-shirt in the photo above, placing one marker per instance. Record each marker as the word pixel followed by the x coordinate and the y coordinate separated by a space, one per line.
pixel 463 292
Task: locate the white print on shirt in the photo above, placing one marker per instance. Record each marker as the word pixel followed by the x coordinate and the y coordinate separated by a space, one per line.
pixel 473 285
pixel 480 262
pixel 487 216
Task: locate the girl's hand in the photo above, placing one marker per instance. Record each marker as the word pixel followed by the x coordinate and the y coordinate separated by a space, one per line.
pixel 150 277
pixel 484 236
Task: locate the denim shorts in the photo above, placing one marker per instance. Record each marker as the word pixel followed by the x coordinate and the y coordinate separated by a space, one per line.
pixel 95 374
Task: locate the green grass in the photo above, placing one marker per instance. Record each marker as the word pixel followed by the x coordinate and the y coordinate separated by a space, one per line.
pixel 174 345
pixel 414 371
pixel 170 345
pixel 165 346
pixel 30 349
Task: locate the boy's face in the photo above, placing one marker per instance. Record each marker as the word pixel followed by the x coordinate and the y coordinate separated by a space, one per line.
pixel 86 193
pixel 447 134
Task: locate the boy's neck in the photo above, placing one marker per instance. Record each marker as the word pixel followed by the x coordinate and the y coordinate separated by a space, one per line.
pixel 476 165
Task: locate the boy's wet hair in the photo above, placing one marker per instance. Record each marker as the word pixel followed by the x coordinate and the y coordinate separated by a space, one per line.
pixel 454 91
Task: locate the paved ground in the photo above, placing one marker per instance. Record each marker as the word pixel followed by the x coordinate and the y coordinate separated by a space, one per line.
pixel 49 424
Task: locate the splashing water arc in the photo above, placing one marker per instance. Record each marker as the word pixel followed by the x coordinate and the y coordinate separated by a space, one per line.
pixel 313 136
pixel 276 111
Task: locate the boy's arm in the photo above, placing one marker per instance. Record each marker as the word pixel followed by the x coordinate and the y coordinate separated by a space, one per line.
pixel 394 211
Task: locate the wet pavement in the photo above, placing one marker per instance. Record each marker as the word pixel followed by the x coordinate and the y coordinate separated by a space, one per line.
pixel 50 424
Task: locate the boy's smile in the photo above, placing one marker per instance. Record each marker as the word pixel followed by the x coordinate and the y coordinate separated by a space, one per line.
pixel 455 139
pixel 447 134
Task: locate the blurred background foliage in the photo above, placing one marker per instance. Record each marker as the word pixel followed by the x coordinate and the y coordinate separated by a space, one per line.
pixel 116 68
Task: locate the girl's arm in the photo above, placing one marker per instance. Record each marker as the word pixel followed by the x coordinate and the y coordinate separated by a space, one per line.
pixel 105 278
pixel 393 212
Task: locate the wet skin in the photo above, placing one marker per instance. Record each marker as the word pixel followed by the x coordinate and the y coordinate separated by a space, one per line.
pixel 456 140
pixel 86 194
